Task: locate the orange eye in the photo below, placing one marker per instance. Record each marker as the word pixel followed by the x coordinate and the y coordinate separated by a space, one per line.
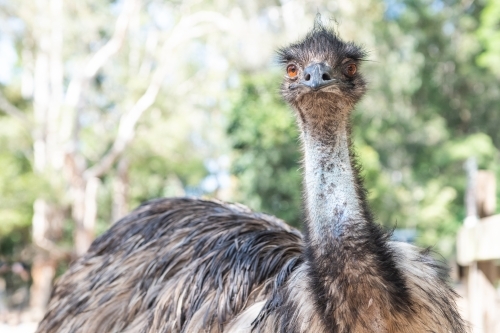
pixel 351 69
pixel 291 70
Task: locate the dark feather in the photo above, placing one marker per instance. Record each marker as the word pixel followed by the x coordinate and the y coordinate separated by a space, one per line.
pixel 220 256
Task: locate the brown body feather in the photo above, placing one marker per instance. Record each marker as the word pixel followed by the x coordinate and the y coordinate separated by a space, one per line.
pixel 188 265
pixel 171 263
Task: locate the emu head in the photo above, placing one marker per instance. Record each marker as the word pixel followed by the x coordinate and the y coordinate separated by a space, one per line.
pixel 322 78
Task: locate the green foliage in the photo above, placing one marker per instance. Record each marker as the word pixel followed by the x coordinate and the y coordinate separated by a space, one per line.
pixel 264 137
pixel 18 187
pixel 489 35
pixel 164 159
pixel 429 108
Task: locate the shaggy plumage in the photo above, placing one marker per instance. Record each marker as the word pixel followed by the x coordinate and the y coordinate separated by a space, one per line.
pixel 174 265
pixel 187 265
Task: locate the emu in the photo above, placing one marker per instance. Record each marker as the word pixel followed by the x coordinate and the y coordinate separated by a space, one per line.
pixel 191 265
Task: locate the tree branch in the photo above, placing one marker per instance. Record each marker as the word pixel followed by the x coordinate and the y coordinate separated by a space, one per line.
pixel 126 127
pixel 188 28
pixel 103 54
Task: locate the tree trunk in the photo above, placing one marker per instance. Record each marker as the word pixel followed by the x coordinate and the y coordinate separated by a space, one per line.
pixel 84 213
pixel 43 272
pixel 486 193
pixel 120 190
pixel 47 96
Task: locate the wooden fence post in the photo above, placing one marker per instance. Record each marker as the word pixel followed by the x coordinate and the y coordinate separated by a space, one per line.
pixel 480 202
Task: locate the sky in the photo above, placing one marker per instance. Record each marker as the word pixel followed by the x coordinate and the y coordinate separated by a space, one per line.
pixel 8 59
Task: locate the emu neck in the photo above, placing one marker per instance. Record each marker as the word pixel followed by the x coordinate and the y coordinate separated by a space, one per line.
pixel 351 265
pixel 333 204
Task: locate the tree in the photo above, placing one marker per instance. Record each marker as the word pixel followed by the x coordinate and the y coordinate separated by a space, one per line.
pixel 429 108
pixel 82 119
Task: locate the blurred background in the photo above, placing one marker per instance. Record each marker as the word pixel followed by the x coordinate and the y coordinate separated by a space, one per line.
pixel 105 104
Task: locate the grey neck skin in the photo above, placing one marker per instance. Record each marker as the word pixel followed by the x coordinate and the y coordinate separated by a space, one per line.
pixel 331 183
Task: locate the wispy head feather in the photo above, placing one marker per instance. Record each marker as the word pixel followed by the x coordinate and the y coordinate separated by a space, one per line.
pixel 321 42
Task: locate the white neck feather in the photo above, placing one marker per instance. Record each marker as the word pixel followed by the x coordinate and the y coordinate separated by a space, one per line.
pixel 332 200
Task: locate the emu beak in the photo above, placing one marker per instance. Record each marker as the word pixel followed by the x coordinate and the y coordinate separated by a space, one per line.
pixel 317 76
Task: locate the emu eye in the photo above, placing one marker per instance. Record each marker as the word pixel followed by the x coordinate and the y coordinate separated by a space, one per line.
pixel 291 70
pixel 350 70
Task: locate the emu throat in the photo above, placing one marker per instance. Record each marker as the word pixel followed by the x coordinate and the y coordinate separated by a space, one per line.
pixel 330 182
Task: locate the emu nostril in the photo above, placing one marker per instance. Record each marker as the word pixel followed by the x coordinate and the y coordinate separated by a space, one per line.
pixel 316 76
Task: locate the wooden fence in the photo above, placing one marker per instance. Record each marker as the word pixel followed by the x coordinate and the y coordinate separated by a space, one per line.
pixel 478 252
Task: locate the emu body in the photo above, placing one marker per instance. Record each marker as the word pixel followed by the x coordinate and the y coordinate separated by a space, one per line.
pixel 187 265
pixel 175 265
